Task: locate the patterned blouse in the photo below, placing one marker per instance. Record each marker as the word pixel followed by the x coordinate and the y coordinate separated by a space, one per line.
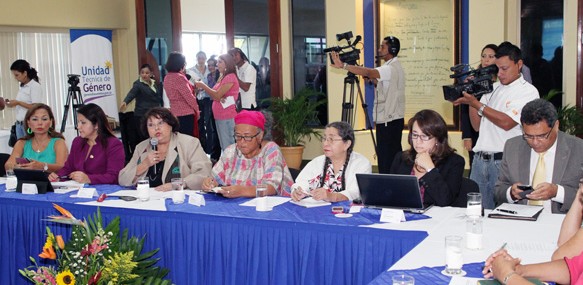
pixel 331 182
pixel 181 95
pixel 268 167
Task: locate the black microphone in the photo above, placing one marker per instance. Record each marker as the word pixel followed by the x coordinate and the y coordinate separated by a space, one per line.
pixel 356 40
pixel 154 144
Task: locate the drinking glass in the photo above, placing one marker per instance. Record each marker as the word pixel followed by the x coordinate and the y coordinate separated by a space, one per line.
pixel 474 232
pixel 143 189
pixel 178 195
pixel 403 280
pixel 474 206
pixel 453 255
pixel 11 181
pixel 261 194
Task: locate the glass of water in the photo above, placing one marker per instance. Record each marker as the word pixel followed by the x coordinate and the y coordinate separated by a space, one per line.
pixel 453 255
pixel 403 279
pixel 178 195
pixel 474 205
pixel 143 188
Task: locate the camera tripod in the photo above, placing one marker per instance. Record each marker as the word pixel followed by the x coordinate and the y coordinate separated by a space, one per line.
pixel 73 95
pixel 348 106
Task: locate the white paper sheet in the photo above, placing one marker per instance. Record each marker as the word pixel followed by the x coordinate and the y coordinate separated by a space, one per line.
pixel 154 195
pixel 271 201
pixel 70 183
pixel 153 205
pixel 310 203
pixel 517 210
pixel 228 102
pixel 458 280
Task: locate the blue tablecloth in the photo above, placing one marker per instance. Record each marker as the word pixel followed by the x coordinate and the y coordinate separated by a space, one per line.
pixel 429 275
pixel 222 243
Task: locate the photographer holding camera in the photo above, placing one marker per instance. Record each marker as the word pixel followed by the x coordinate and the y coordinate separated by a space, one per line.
pixel 389 105
pixel 497 116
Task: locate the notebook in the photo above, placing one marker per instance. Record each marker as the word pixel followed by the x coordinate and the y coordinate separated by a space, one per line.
pixel 391 191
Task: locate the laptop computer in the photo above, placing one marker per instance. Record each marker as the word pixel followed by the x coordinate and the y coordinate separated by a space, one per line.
pixel 391 191
pixel 38 177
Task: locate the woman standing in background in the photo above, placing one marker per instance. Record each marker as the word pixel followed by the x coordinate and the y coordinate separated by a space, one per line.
pixel 30 92
pixel 180 92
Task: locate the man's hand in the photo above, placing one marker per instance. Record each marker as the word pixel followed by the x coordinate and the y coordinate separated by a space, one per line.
pixel 467 99
pixel 515 192
pixel 336 62
pixel 543 191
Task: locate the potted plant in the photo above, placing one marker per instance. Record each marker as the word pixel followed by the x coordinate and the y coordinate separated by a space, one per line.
pixel 570 118
pixel 294 121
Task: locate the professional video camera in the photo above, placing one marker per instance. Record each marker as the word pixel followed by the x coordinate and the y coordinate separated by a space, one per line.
pixel 73 79
pixel 475 81
pixel 351 56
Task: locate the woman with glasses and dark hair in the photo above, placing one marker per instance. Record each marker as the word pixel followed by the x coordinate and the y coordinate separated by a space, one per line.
pixel 42 148
pixel 332 176
pixel 96 155
pixel 180 93
pixel 176 155
pixel 431 159
pixel 250 161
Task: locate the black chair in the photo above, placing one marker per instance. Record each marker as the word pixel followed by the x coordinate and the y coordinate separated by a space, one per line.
pixel 468 186
pixel 294 173
pixel 3 158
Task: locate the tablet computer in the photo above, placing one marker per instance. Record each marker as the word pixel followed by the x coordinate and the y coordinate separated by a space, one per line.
pixel 30 176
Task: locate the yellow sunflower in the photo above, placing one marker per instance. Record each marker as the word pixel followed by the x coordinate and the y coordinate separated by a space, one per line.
pixel 65 278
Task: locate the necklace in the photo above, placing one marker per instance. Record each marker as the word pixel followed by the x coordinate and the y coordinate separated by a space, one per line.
pixel 39 146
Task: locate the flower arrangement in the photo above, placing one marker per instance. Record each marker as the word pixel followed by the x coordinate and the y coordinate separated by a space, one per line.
pixel 95 255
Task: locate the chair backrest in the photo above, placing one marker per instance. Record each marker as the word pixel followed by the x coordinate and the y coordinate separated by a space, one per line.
pixel 3 158
pixel 468 186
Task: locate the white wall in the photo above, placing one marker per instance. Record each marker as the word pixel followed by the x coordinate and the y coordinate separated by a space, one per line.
pixel 203 16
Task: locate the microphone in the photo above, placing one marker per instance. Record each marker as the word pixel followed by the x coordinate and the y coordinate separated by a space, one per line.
pixel 154 144
pixel 356 40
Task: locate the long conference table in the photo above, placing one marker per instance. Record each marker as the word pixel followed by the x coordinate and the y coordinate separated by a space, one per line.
pixel 222 242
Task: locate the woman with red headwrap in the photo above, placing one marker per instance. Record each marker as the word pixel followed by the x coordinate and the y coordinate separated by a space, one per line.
pixel 250 161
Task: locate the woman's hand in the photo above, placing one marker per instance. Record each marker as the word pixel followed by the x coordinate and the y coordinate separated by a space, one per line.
pixel 423 160
pixel 164 187
pixel 489 268
pixel 123 107
pixel 80 176
pixel 233 191
pixel 208 184
pixel 33 164
pixel 152 158
pixel 320 194
pixel 298 194
pixel 468 144
pixel 11 103
pixel 53 177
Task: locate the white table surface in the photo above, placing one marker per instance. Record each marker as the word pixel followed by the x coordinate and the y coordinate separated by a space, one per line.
pixel 531 241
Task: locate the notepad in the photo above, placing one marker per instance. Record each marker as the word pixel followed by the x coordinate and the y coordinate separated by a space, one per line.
pixel 516 211
pixel 310 203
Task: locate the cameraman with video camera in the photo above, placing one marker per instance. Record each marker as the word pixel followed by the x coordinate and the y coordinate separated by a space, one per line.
pixel 389 105
pixel 497 116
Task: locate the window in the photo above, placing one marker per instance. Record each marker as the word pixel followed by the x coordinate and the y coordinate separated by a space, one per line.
pixel 211 44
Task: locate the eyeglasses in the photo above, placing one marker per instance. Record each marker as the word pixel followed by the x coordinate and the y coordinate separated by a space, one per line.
pixel 422 137
pixel 160 124
pixel 537 137
pixel 245 138
pixel 329 140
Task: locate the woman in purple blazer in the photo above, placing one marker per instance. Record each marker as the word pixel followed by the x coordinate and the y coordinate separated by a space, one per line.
pixel 96 155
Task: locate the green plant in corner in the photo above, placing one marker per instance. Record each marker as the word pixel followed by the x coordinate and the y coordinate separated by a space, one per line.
pixel 570 117
pixel 294 117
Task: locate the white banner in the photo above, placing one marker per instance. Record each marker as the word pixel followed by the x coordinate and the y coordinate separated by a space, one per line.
pixel 92 60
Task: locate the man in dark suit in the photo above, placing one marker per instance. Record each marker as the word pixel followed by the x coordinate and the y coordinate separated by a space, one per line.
pixel 543 156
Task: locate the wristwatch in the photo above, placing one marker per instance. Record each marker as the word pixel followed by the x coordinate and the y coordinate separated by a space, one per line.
pixel 46 167
pixel 481 110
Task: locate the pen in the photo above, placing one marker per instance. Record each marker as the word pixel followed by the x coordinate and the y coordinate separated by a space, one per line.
pixel 507 211
pixel 503 246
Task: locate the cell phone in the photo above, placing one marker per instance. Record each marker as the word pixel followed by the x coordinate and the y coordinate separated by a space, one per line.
pixel 524 187
pixel 22 160
pixel 128 198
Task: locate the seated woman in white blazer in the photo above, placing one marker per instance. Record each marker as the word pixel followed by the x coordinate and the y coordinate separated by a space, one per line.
pixel 332 176
pixel 176 155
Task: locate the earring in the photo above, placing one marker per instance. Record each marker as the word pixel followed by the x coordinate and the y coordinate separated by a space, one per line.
pixel 29 131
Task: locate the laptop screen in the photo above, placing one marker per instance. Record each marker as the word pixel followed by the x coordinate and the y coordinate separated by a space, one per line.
pixel 389 191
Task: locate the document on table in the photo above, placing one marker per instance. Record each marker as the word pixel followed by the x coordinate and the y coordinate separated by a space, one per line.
pixel 2 180
pixel 230 100
pixel 516 211
pixel 272 201
pixel 153 205
pixel 310 203
pixel 458 280
pixel 154 195
pixel 70 183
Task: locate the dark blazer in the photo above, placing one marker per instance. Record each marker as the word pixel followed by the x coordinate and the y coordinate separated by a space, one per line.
pixel 442 184
pixel 515 167
pixel 146 98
